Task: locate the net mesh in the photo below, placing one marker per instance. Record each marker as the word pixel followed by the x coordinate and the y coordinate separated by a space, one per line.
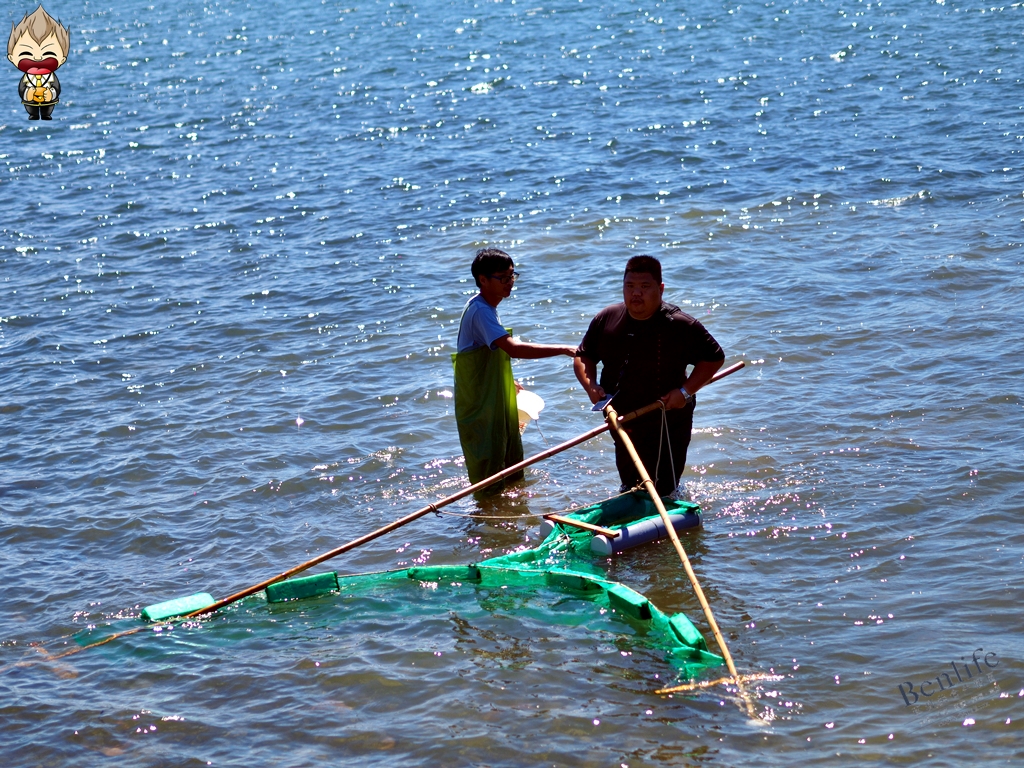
pixel 554 583
pixel 559 571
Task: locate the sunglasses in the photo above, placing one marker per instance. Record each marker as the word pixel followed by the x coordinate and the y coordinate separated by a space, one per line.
pixel 505 279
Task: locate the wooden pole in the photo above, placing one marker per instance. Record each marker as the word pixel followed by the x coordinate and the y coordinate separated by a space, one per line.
pixel 443 502
pixel 583 526
pixel 613 421
pixel 726 371
pixel 401 521
pixel 415 515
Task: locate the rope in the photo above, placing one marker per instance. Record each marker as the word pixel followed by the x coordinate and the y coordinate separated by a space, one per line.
pixel 661 439
pixel 567 510
pixel 721 681
pixel 491 517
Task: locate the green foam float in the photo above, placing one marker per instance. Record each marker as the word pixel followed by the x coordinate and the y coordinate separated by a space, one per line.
pixel 562 562
pixel 179 606
pixel 302 587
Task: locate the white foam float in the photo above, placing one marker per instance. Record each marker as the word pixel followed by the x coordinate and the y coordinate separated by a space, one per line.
pixel 530 404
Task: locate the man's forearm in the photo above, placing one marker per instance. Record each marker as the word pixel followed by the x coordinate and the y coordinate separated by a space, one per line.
pixel 586 373
pixel 583 375
pixel 526 351
pixel 701 374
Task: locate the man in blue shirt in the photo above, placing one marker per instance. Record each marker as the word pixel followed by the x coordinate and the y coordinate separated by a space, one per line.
pixel 485 392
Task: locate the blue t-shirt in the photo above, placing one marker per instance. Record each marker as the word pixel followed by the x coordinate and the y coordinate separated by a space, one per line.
pixel 480 325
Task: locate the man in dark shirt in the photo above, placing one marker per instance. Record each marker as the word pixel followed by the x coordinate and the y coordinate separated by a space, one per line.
pixel 645 346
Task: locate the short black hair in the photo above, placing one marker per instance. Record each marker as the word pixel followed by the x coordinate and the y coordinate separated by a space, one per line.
pixel 488 261
pixel 647 264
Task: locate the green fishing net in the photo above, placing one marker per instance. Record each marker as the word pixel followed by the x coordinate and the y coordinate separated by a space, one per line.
pixel 556 583
pixel 561 567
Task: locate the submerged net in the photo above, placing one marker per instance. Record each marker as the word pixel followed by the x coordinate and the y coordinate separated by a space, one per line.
pixel 561 567
pixel 554 583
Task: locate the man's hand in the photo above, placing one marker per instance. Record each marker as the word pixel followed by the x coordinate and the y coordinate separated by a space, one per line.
pixel 702 373
pixel 674 400
pixel 596 393
pixel 570 351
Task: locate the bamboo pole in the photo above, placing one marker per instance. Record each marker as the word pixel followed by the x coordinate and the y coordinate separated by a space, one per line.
pixel 443 502
pixel 686 687
pixel 418 513
pixel 613 421
pixel 583 526
pixel 412 516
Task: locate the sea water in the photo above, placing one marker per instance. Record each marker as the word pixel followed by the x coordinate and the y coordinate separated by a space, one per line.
pixel 231 274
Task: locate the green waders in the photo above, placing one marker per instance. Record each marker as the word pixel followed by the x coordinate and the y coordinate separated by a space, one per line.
pixel 486 412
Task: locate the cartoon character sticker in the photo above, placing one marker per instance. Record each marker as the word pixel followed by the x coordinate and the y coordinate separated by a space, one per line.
pixel 37 46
